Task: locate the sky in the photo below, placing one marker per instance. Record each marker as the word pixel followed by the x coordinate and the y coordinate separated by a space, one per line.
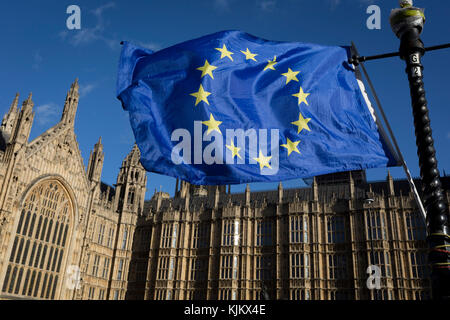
pixel 40 55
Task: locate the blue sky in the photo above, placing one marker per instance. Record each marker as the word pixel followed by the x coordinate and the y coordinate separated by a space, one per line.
pixel 41 55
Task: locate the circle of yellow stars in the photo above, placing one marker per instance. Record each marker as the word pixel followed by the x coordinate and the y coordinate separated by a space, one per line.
pixel 213 125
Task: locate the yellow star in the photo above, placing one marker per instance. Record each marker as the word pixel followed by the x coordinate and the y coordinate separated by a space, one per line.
pixel 302 123
pixel 225 53
pixel 212 124
pixel 271 63
pixel 249 55
pixel 263 161
pixel 291 75
pixel 291 146
pixel 207 69
pixel 301 96
pixel 201 95
pixel 234 150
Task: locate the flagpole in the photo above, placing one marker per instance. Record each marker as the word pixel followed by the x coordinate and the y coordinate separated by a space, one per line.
pixel 358 59
pixel 407 23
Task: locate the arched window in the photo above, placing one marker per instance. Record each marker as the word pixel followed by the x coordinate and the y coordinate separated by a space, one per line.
pixel 40 242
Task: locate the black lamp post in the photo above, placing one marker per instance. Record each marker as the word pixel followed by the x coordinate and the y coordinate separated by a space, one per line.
pixel 407 23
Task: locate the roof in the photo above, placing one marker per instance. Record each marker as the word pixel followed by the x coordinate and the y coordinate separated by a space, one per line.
pixel 326 193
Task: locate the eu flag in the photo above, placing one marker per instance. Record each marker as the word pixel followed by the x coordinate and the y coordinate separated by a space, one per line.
pixel 232 108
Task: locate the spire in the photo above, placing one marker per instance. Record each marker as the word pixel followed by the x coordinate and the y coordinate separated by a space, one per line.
pixel 71 104
pixel 96 162
pixel 74 86
pixel 216 197
pixel 247 195
pixel 390 183
pixel 10 118
pixel 389 177
pixel 315 189
pixel 20 130
pixel 133 158
pixel 28 104
pixel 280 192
pixel 14 104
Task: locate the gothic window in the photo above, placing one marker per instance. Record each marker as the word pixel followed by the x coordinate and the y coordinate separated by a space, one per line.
pixel 226 267
pixel 101 234
pixel 171 267
pixel 161 294
pixel 163 268
pixel 300 294
pixel 230 234
pixel 376 226
pixel 110 237
pixel 40 242
pixel 95 265
pixel 200 235
pixel 130 198
pixel 124 240
pixel 235 267
pixel 169 235
pixel 120 270
pixel 264 233
pixel 91 293
pixel 336 229
pixel 380 294
pixel 299 265
pixel 337 266
pixel 419 265
pixel 198 269
pixel 263 268
pixel 299 229
pixel 224 294
pixel 415 226
pixel 105 268
pixel 381 259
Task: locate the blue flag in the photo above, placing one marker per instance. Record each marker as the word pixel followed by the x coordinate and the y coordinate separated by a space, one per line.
pixel 231 108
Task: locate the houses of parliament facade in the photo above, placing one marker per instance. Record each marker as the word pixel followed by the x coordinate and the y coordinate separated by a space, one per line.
pixel 64 234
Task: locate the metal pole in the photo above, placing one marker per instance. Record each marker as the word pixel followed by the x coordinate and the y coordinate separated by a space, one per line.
pixel 358 59
pixel 407 23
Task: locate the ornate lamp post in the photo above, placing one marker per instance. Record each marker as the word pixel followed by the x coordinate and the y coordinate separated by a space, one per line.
pixel 407 23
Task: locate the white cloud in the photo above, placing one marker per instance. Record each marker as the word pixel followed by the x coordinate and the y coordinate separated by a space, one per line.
pixel 85 89
pixel 37 60
pixel 267 5
pixel 99 11
pixel 86 36
pixel 335 3
pixel 46 113
pixel 223 5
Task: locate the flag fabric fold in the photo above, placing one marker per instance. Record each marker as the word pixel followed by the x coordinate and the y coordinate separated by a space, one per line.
pixel 232 108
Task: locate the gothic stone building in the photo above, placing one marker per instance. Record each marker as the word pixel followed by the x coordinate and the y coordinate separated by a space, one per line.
pixel 64 234
pixel 302 244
